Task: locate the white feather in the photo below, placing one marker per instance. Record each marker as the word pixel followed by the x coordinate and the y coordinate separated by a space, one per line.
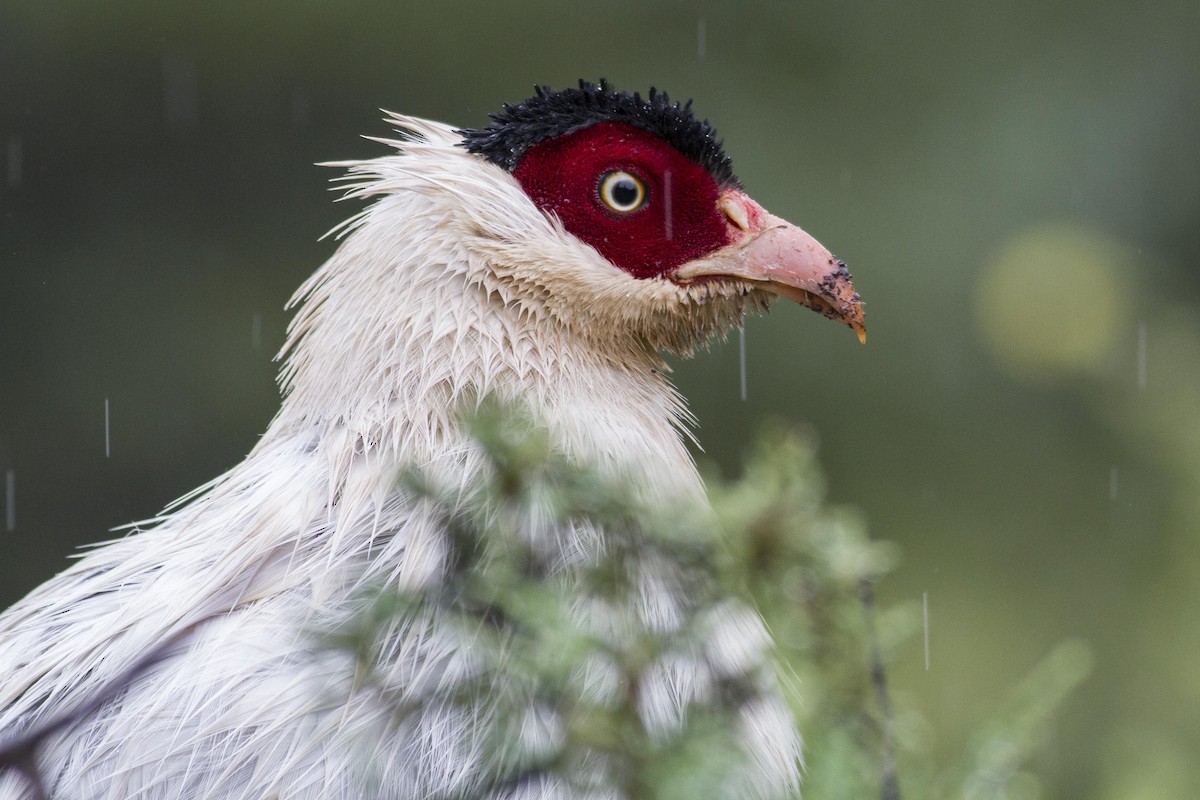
pixel 451 286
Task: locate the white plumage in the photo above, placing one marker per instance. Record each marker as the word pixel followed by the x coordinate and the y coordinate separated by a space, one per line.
pixel 451 287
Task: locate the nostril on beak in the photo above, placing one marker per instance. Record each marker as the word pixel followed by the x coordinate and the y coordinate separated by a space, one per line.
pixel 735 211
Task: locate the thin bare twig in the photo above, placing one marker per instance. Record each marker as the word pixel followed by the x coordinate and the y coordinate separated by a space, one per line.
pixel 889 781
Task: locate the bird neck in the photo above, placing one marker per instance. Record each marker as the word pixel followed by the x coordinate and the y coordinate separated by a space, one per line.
pixel 394 343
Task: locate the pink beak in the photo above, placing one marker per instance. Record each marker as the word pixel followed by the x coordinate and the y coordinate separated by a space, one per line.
pixel 779 258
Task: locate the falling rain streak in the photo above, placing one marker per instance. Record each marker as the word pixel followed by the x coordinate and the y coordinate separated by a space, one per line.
pixel 1141 355
pixel 1112 483
pixel 925 625
pixel 107 438
pixel 668 228
pixel 181 105
pixel 742 358
pixel 301 109
pixel 10 500
pixel 701 39
pixel 14 160
pixel 256 331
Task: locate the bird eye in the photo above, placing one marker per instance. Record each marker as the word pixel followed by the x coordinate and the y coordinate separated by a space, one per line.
pixel 622 192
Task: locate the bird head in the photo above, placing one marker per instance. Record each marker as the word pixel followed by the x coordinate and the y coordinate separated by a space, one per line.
pixel 649 188
pixel 582 224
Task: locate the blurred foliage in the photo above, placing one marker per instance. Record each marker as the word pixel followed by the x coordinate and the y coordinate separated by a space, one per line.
pixel 773 545
pixel 995 172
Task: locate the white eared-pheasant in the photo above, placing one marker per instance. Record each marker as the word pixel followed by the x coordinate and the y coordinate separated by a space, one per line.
pixel 547 260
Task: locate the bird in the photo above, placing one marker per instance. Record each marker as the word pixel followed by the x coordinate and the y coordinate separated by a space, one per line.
pixel 551 258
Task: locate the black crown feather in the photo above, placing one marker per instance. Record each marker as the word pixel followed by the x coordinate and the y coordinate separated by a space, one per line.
pixel 551 113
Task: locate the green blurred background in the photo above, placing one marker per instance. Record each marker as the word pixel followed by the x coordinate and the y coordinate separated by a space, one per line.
pixel 1016 186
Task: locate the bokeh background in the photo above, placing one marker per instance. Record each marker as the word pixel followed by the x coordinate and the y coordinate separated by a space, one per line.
pixel 1015 183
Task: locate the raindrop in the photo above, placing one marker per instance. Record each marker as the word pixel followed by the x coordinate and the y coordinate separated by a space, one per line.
pixel 1112 483
pixel 180 92
pixel 10 500
pixel 667 221
pixel 701 39
pixel 925 625
pixel 107 438
pixel 742 357
pixel 1141 356
pixel 256 331
pixel 14 160
pixel 301 113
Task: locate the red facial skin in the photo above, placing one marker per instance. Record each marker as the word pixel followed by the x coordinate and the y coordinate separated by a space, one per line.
pixel 679 222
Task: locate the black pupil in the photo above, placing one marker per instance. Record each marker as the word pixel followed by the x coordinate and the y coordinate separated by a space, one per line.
pixel 624 192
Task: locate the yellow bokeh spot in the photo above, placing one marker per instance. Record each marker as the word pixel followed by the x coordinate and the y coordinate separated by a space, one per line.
pixel 1052 300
